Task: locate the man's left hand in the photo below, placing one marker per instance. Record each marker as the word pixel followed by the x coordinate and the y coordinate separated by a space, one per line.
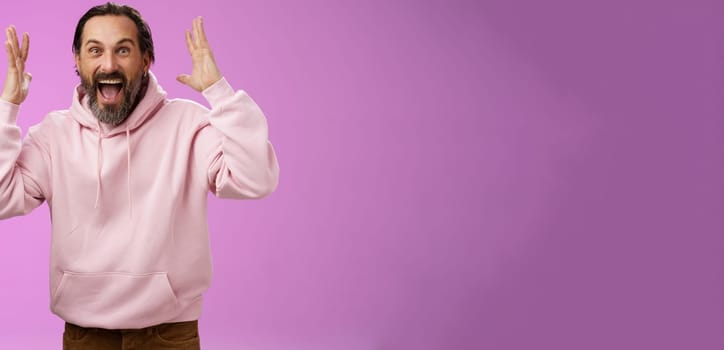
pixel 204 72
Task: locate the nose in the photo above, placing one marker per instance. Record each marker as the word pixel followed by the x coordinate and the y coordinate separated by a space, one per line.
pixel 108 63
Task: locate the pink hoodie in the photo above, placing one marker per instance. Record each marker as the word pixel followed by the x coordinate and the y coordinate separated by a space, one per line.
pixel 130 245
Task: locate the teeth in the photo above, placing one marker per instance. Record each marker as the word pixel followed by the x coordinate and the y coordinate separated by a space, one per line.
pixel 110 81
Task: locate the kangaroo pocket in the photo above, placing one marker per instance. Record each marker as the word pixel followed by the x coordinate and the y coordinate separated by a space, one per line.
pixel 114 300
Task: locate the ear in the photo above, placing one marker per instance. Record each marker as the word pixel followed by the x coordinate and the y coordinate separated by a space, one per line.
pixel 146 62
pixel 76 57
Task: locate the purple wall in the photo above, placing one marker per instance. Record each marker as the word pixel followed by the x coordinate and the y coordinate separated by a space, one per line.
pixel 455 174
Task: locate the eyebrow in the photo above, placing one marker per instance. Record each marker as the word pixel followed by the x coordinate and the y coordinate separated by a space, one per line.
pixel 122 41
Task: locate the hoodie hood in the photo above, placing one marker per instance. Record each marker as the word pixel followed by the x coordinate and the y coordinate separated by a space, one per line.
pixel 145 109
pixel 151 102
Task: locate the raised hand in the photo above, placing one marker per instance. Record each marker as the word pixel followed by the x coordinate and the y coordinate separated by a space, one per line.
pixel 17 80
pixel 204 72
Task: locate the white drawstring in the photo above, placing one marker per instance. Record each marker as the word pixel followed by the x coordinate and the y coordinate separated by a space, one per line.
pixel 128 179
pixel 99 162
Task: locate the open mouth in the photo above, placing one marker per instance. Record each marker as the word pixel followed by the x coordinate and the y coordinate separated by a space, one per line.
pixel 110 90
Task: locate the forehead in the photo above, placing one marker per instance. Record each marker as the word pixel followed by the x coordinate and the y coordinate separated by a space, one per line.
pixel 109 29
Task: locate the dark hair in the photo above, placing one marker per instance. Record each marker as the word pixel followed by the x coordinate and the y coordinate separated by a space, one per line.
pixel 145 41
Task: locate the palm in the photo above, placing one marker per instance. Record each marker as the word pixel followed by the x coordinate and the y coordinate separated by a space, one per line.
pixel 204 72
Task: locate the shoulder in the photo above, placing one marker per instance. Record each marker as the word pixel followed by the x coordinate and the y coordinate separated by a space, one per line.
pixel 186 111
pixel 182 105
pixel 53 122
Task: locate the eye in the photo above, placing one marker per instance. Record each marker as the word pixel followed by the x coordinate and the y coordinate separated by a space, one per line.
pixel 124 51
pixel 94 51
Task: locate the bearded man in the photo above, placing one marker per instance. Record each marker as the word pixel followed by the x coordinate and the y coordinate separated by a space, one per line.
pixel 125 172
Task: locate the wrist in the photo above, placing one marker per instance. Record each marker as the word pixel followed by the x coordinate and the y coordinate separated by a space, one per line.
pixel 12 100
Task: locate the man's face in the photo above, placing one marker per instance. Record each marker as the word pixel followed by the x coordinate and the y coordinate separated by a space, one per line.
pixel 111 67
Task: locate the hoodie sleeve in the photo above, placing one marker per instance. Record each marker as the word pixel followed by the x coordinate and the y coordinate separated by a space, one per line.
pixel 244 166
pixel 22 164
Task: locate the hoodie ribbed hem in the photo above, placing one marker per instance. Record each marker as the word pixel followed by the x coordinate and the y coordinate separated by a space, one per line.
pixel 218 91
pixel 8 112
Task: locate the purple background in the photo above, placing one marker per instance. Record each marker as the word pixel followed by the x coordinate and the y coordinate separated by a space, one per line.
pixel 454 174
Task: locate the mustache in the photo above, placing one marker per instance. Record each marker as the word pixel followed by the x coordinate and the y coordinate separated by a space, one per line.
pixel 111 75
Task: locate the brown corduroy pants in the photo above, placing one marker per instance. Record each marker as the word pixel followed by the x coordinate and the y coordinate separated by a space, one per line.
pixel 166 336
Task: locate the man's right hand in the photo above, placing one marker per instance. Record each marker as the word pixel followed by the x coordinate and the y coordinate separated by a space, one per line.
pixel 17 80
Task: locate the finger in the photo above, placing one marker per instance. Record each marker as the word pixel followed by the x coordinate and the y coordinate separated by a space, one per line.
pixel 9 36
pixel 17 55
pixel 189 42
pixel 184 79
pixel 194 29
pixel 14 40
pixel 11 56
pixel 27 78
pixel 197 35
pixel 26 46
pixel 12 53
pixel 202 33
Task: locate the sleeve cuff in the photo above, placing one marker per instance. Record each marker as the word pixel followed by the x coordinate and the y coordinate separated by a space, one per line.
pixel 218 91
pixel 8 112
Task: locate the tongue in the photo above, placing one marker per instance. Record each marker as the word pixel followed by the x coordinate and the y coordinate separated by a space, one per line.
pixel 109 91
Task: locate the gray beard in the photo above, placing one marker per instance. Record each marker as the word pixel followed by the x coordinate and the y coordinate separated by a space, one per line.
pixel 116 115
